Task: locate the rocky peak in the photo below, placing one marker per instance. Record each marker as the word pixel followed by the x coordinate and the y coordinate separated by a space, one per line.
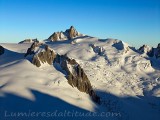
pixel 145 49
pixel 151 52
pixel 1 50
pixel 68 34
pixel 55 36
pixel 72 32
pixel 31 50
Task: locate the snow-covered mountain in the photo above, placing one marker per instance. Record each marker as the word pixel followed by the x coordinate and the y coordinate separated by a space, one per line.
pixel 79 73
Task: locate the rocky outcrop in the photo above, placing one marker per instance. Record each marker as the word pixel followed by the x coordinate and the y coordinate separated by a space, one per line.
pixel 76 76
pixel 97 49
pixel 43 55
pixel 46 56
pixel 68 34
pixel 31 50
pixel 121 46
pixel 74 73
pixel 29 41
pixel 55 36
pixel 72 32
pixel 151 52
pixel 145 49
pixel 1 50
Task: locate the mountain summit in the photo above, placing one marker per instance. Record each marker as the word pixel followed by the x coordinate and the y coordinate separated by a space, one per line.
pixel 68 34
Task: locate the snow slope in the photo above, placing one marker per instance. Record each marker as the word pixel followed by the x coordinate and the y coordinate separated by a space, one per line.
pixel 124 79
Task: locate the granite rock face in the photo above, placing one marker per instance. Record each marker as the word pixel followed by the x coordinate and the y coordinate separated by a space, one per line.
pixel 46 56
pixel 31 50
pixel 76 76
pixel 1 50
pixel 55 36
pixel 43 54
pixel 72 32
pixel 74 73
pixel 68 34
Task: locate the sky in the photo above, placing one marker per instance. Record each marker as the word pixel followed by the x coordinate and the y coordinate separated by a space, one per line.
pixel 136 22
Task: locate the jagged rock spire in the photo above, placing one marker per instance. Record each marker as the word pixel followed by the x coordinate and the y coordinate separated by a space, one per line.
pixel 144 49
pixel 68 34
pixel 72 32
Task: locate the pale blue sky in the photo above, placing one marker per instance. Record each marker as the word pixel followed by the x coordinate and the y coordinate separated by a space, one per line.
pixel 136 22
